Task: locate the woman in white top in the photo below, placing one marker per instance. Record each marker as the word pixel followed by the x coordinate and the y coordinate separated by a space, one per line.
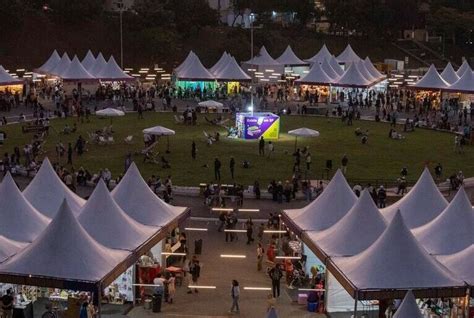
pixel 235 293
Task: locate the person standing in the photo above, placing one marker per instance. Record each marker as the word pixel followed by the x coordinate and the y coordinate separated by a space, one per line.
pixel 217 169
pixel 308 161
pixel 195 271
pixel 260 252
pixel 69 154
pixel 249 228
pixel 275 275
pixel 7 303
pixel 193 150
pixel 171 288
pixel 344 162
pixel 235 293
pixel 261 146
pixel 381 196
pixel 438 171
pixel 232 167
pixel 271 148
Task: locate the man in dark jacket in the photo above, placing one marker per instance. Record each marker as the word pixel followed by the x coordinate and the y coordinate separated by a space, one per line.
pixel 275 275
pixel 217 169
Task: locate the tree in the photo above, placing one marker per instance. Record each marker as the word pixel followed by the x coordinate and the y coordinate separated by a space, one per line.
pixel 74 11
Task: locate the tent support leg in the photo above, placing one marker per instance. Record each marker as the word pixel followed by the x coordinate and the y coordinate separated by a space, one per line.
pixel 99 301
pixel 355 304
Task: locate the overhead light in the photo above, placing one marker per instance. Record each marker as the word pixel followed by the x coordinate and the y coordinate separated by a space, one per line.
pixel 195 229
pixel 306 72
pixel 145 69
pixel 257 288
pixel 222 209
pixel 20 70
pixel 274 231
pixel 235 231
pixel 269 71
pixel 312 289
pixel 259 76
pixel 252 70
pixel 288 257
pixel 259 73
pixel 171 253
pixel 232 256
pixel 142 72
pixel 249 210
pixel 201 287
pixel 264 80
pixel 128 69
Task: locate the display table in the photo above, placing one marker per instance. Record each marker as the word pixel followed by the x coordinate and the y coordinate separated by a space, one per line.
pixel 25 310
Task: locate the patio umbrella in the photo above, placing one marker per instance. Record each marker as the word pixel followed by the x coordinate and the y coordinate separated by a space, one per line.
pixel 160 131
pixel 303 132
pixel 109 112
pixel 211 104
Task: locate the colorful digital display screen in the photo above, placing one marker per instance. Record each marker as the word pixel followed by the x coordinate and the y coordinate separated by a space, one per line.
pixel 255 125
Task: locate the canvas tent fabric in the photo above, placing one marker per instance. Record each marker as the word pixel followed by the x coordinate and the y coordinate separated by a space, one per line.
pixel 328 208
pixel 99 64
pixel 7 79
pixel 194 71
pixel 451 231
pixel 316 76
pixel 348 56
pixel 49 65
pixel 64 251
pixel 263 58
pixel 88 60
pixel 231 71
pixel 329 70
pixel 408 308
pixel 48 202
pixel 187 61
pixel 322 55
pixel 449 74
pixel 112 72
pixel 76 72
pixel 352 77
pixel 431 81
pixel 463 68
pixel 136 198
pixel 372 69
pixel 61 66
pixel 109 225
pixel 465 84
pixel 395 261
pixel 461 264
pixel 9 248
pixel 335 65
pixel 289 58
pixel 361 226
pixel 421 204
pixel 220 63
pixel 22 222
pixel 363 70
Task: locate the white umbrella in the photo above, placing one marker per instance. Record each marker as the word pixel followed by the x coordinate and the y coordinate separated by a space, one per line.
pixel 160 131
pixel 109 112
pixel 211 104
pixel 303 132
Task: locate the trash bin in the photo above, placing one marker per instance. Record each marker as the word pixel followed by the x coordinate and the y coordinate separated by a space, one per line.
pixel 147 304
pixel 198 247
pixel 156 303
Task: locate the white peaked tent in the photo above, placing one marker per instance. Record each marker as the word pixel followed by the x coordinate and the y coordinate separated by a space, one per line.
pixel 46 192
pixel 52 61
pixel 450 232
pixel 431 80
pixel 329 70
pixel 21 221
pixel 463 68
pixel 88 60
pixel 460 264
pixel 363 70
pixel 328 208
pixel 423 203
pixel 194 71
pixel 321 56
pixel 463 85
pixel 112 72
pixel 263 58
pixel 289 58
pixel 76 72
pixel 372 69
pixel 9 248
pixel 64 251
pixel 395 261
pixel 352 77
pixel 353 233
pixel 220 63
pixel 61 66
pixel 348 56
pixel 231 71
pixel 316 76
pixel 108 224
pixel 187 61
pixel 408 308
pixel 135 197
pixel 335 65
pixel 449 74
pixel 7 79
pixel 99 64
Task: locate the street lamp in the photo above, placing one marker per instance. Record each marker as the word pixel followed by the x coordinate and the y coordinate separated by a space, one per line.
pixel 120 6
pixel 252 17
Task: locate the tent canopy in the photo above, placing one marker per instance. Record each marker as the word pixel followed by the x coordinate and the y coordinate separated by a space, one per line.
pixel 7 79
pixel 328 208
pixel 408 308
pixel 21 221
pixel 423 203
pixel 110 112
pixel 321 56
pixel 187 61
pixel 220 63
pixel 263 58
pixel 304 132
pixel 431 81
pixel 9 247
pixel 112 72
pixel 49 65
pixel 371 68
pixel 463 68
pixel 316 76
pixel 289 58
pixel 352 77
pixel 159 131
pixel 109 225
pixel 61 66
pixel 465 84
pixel 329 70
pixel 48 202
pixel 231 71
pixel 136 198
pixel 363 70
pixel 449 74
pixel 452 230
pixel 460 264
pixel 194 71
pixel 88 60
pixel 76 72
pixel 348 56
pixel 97 67
pixel 335 65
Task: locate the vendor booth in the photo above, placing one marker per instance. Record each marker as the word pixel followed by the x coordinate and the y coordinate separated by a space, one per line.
pixel 294 66
pixel 8 83
pixel 256 125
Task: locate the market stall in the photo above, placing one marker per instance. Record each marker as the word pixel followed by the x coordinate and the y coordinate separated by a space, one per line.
pixel 294 66
pixel 9 84
pixel 192 76
pixel 263 67
pixel 230 74
pixel 430 87
pixel 317 83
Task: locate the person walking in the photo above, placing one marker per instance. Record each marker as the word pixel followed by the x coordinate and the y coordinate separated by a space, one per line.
pixel 232 167
pixel 381 197
pixel 260 252
pixel 344 162
pixel 249 228
pixel 271 148
pixel 438 171
pixel 217 169
pixel 308 161
pixel 275 275
pixel 69 154
pixel 171 288
pixel 193 150
pixel 235 293
pixel 261 146
pixel 195 271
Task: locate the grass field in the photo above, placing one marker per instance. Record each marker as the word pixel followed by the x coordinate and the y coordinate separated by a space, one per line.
pixel 380 158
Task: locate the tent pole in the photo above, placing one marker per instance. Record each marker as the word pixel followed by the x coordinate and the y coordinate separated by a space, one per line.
pixel 99 301
pixel 355 303
pixel 296 141
pixel 466 303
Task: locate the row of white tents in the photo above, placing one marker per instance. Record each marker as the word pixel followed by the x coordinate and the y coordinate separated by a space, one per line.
pixel 91 68
pixel 6 79
pixel 421 242
pixel 460 81
pixel 53 238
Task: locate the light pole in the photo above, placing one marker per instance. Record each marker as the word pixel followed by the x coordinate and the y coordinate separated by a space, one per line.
pixel 252 16
pixel 120 6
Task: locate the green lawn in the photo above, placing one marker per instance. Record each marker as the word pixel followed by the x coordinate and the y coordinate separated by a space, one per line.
pixel 381 158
